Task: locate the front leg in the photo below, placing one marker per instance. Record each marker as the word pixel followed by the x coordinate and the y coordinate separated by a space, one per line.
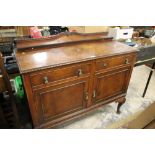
pixel 120 101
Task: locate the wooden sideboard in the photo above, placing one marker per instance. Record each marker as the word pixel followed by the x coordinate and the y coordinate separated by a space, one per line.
pixel 68 75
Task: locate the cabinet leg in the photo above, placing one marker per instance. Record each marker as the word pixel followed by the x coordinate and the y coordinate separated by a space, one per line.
pixel 120 101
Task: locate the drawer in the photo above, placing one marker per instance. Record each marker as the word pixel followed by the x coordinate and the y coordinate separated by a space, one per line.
pixel 61 73
pixel 117 61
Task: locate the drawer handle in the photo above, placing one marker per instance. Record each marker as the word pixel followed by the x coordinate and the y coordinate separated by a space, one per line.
pixel 45 79
pixel 126 61
pixel 80 72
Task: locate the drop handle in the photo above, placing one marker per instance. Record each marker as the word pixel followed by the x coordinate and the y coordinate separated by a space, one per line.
pixel 45 79
pixel 79 72
pixel 86 96
pixel 94 94
pixel 126 61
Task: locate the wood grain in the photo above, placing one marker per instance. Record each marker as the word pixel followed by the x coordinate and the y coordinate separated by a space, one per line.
pixel 66 82
pixel 48 57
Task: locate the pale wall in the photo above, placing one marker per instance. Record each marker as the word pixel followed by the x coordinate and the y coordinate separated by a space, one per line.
pixel 89 29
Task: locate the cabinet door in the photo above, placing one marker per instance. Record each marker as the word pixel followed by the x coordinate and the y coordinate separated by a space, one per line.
pixel 62 99
pixel 111 84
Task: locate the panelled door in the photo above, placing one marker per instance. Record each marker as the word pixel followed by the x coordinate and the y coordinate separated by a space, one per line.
pixel 62 99
pixel 110 84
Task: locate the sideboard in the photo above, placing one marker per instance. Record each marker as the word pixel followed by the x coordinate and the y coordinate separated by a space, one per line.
pixel 70 74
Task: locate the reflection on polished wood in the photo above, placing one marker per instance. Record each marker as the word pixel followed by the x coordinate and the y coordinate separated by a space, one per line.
pixel 43 57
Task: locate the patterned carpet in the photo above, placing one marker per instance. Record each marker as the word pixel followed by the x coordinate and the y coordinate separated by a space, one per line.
pixel 106 116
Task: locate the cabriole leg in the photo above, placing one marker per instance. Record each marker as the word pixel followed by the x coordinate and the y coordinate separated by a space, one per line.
pixel 120 101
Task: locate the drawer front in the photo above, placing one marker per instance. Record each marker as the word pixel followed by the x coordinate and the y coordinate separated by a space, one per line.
pixel 117 61
pixel 52 75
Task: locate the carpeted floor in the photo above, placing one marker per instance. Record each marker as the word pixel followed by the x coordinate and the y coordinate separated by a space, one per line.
pixel 106 116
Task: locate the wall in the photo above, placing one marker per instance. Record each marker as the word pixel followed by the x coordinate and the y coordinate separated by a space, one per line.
pixel 80 29
pixel 22 30
pixel 92 29
pixel 88 29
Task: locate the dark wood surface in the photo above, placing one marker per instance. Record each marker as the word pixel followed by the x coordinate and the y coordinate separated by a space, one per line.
pixel 46 57
pixel 73 79
pixel 64 37
pixel 106 87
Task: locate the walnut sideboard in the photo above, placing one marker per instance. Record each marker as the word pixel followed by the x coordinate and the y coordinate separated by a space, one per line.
pixel 67 75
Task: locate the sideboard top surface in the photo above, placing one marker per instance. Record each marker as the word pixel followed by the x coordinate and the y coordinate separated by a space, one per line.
pixel 48 57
